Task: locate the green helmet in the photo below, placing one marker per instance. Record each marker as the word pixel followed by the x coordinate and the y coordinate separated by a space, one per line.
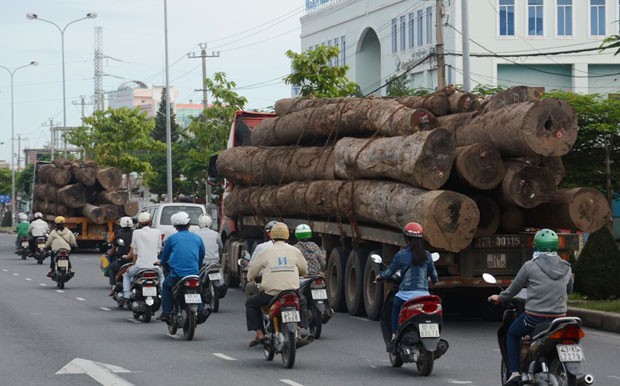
pixel 546 240
pixel 303 232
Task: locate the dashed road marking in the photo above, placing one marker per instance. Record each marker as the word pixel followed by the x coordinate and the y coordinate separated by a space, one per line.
pixel 16 274
pixel 80 299
pixel 28 279
pixel 5 270
pixel 455 382
pixel 223 356
pixel 613 377
pixel 360 318
pixel 43 284
pixel 104 309
pixel 290 382
pixel 174 336
pixel 134 321
pixel 60 291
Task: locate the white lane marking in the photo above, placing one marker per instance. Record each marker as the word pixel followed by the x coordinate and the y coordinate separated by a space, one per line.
pixel 16 274
pixel 102 373
pixel 613 376
pixel 43 284
pixel 360 318
pixel 134 321
pixel 290 382
pixel 174 336
pixel 5 270
pixel 60 291
pixel 28 279
pixel 104 309
pixel 80 299
pixel 454 381
pixel 220 355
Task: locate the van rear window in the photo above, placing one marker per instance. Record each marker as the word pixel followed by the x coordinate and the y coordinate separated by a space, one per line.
pixel 167 211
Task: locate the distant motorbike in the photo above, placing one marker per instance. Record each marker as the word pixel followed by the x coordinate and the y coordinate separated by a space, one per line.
pixel 145 294
pixel 40 249
pixel 418 337
pixel 62 273
pixel 117 294
pixel 551 354
pixel 318 310
pixel 24 249
pixel 186 298
pixel 212 284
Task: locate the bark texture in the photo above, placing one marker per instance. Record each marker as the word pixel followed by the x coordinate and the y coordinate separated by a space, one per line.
pixel 437 103
pixel 110 178
pixel 479 166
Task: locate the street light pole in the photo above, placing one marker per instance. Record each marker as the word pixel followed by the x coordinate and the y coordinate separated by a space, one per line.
pixel 34 16
pixel 12 73
pixel 168 124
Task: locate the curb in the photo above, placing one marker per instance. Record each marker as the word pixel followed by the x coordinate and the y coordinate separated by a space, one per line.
pixel 600 320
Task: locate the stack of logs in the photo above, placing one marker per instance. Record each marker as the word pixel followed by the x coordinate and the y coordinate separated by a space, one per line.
pixel 461 167
pixel 64 188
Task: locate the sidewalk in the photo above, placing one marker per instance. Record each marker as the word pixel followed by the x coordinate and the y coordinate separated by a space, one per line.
pixel 600 320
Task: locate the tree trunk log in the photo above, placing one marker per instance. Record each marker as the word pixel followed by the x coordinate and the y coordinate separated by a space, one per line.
pixel 450 219
pixel 463 102
pixel 516 94
pixel 52 174
pixel 527 186
pixel 72 195
pixel 490 215
pixel 94 213
pixel 291 105
pixel 553 164
pixel 61 163
pixel 479 166
pixel 512 219
pixel 584 209
pixel 44 173
pixel 249 165
pixel 119 197
pixel 110 212
pixel 353 118
pixel 110 178
pixel 131 208
pixel 546 127
pixel 422 160
pixel 86 174
pixel 437 103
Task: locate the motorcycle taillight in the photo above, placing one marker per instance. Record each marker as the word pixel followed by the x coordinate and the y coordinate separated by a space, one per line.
pixel 319 282
pixel 192 283
pixel 572 332
pixel 289 300
pixel 149 275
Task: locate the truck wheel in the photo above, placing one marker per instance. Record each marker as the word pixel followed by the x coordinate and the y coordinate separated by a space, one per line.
pixel 230 276
pixel 335 278
pixel 354 281
pixel 373 292
pixel 248 245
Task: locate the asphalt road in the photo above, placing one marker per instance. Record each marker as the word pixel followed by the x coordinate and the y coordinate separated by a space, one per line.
pixel 44 329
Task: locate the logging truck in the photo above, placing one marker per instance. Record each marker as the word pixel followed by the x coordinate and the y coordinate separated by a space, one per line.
pixel 359 211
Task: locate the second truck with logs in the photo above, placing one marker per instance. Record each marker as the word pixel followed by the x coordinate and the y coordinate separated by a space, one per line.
pixel 480 176
pixel 90 198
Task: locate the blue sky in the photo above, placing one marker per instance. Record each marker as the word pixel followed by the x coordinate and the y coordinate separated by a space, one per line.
pixel 252 37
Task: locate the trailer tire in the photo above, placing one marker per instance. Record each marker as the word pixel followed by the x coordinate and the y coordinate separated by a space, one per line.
pixel 354 281
pixel 231 278
pixel 373 292
pixel 335 278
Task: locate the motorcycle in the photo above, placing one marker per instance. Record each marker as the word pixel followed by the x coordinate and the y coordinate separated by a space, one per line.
pixel 318 310
pixel 551 354
pixel 186 297
pixel 62 273
pixel 40 249
pixel 417 339
pixel 213 287
pixel 24 249
pixel 117 294
pixel 145 294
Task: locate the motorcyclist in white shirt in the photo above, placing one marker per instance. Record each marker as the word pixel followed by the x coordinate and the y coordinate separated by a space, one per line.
pixel 212 239
pixel 37 228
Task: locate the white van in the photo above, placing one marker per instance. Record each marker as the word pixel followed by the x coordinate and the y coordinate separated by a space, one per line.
pixel 161 213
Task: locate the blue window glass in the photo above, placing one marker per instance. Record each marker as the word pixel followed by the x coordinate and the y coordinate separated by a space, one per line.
pixel 337 58
pixel 343 50
pixel 506 17
pixel 565 17
pixel 420 28
pixel 535 17
pixel 394 36
pixel 429 25
pixel 597 17
pixel 411 24
pixel 403 33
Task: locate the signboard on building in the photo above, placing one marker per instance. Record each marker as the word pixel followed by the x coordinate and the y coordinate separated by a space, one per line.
pixel 5 198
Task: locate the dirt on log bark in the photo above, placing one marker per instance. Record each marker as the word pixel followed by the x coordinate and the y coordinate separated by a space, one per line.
pixel 478 166
pixel 72 195
pixel 449 218
pixel 110 212
pixel 527 186
pixel 545 127
pixel 86 174
pixel 118 197
pixel 353 118
pixel 584 209
pixel 110 178
pixel 516 94
pixel 437 103
pixel 423 159
pixel 94 213
pixel 291 105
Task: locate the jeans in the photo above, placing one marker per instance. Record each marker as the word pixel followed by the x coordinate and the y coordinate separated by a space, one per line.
pixel 396 305
pixel 131 272
pixel 115 266
pixel 522 325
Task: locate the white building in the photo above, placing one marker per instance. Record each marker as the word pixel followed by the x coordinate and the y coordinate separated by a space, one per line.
pixel 382 38
pixel 137 94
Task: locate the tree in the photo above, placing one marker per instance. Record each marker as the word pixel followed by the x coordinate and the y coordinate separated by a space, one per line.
pixel 119 138
pixel 397 86
pixel 314 75
pixel 598 267
pixel 23 181
pixel 5 180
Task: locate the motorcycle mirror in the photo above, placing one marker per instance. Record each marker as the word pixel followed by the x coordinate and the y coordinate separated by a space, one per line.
pixel 240 262
pixel 246 255
pixel 435 256
pixel 487 277
pixel 376 258
pixel 120 242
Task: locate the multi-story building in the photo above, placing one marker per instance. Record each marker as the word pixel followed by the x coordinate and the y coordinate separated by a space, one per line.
pixel 553 43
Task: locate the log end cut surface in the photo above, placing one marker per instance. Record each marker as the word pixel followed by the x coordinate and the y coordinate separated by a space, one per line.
pixel 453 221
pixel 480 166
pixel 550 127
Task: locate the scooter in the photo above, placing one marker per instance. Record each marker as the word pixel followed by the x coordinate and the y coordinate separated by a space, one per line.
pixel 213 286
pixel 145 297
pixel 417 339
pixel 551 354
pixel 24 247
pixel 318 310
pixel 117 294
pixel 186 298
pixel 62 273
pixel 40 250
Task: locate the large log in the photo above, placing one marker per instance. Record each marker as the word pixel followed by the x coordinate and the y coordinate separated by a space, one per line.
pixel 86 174
pixel 512 219
pixel 52 174
pixel 94 213
pixel 478 166
pixel 118 197
pixel 72 195
pixel 527 186
pixel 352 118
pixel 545 127
pixel 110 212
pixel 516 94
pixel 250 165
pixel 61 163
pixel 131 208
pixel 52 208
pixel 44 172
pixel 291 105
pixel 450 219
pixel 463 102
pixel 437 103
pixel 584 209
pixel 110 178
pixel 553 164
pixel 490 215
pixel 423 159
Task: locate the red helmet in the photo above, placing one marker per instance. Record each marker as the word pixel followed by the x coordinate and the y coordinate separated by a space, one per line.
pixel 413 229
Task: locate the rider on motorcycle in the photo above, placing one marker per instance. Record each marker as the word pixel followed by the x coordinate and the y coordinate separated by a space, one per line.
pixel 22 230
pixel 183 254
pixel 37 228
pixel 280 266
pixel 548 280
pixel 145 248
pixel 211 239
pixel 314 255
pixel 60 238
pixel 125 233
pixel 250 288
pixel 415 265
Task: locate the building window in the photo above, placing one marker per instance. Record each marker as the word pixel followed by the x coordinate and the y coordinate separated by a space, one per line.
pixel 597 17
pixel 420 28
pixel 331 60
pixel 429 25
pixel 565 17
pixel 403 33
pixel 343 50
pixel 411 37
pixel 506 17
pixel 535 17
pixel 394 36
pixel 337 58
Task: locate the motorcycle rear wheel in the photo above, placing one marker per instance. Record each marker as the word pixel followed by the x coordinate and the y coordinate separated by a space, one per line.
pixel 146 316
pixel 172 329
pixel 24 254
pixel 189 327
pixel 425 362
pixel 564 377
pixel 215 298
pixel 395 360
pixel 288 350
pixel 315 325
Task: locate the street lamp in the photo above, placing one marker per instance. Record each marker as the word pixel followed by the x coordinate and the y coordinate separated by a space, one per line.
pixel 12 73
pixel 34 16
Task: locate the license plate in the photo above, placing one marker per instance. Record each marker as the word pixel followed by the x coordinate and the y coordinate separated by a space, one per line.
pixel 496 260
pixel 509 241
pixel 570 352
pixel 63 263
pixel 41 246
pixel 290 317
pixel 149 291
pixel 215 276
pixel 319 294
pixel 24 244
pixel 429 330
pixel 193 299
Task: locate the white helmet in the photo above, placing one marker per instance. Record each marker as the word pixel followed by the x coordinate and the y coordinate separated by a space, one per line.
pixel 180 218
pixel 144 217
pixel 125 222
pixel 22 217
pixel 204 221
pixel 38 215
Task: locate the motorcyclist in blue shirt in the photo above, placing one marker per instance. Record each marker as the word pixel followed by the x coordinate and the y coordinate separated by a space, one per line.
pixel 183 255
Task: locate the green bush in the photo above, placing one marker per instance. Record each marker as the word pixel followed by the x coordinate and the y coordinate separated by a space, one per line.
pixel 6 221
pixel 598 268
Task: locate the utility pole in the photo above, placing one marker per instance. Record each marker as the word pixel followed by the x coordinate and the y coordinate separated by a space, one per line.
pixel 19 149
pixel 203 55
pixel 465 36
pixel 53 137
pixel 82 103
pixel 441 60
